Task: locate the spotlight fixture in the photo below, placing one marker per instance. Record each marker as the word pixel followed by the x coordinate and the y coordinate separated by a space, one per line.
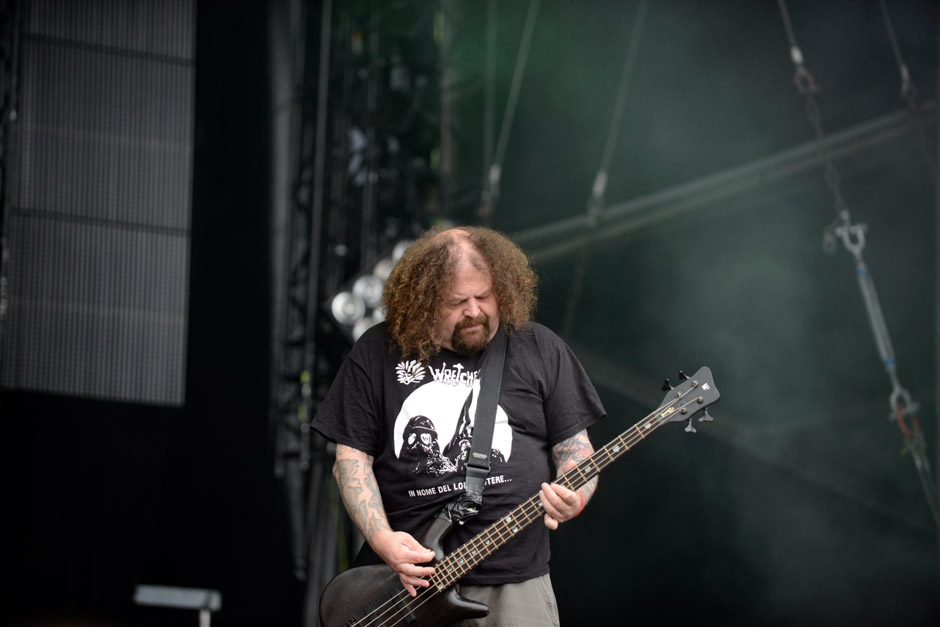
pixel 358 306
pixel 368 287
pixel 347 308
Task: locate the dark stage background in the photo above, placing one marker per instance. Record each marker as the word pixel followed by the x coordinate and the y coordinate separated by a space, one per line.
pixel 799 504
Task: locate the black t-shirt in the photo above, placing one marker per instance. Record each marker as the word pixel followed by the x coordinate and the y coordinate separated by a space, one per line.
pixel 415 419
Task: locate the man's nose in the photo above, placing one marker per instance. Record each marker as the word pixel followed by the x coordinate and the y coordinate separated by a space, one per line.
pixel 473 308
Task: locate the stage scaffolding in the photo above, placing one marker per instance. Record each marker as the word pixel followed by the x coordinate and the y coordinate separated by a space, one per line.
pixel 355 171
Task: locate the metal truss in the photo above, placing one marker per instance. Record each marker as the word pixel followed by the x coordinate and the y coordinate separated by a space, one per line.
pixel 354 130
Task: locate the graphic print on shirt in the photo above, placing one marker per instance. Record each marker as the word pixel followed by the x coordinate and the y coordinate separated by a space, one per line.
pixel 409 372
pixel 443 411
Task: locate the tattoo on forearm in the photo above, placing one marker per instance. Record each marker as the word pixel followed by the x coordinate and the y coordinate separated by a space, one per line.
pixel 360 494
pixel 575 449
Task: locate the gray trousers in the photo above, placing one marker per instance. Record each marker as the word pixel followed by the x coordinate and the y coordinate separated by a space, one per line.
pixel 527 604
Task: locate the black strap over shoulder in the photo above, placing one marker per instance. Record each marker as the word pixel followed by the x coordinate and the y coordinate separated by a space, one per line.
pixel 491 376
pixel 478 464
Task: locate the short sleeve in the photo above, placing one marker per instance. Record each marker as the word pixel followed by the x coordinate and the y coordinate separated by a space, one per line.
pixel 572 403
pixel 350 413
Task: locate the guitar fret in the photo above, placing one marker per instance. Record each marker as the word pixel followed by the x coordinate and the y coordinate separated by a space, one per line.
pixel 578 468
pixel 487 542
pixel 484 544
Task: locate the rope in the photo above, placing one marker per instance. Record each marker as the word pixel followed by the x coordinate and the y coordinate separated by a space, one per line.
pixel 595 203
pixel 491 187
pixel 853 238
pixel 619 106
pixel 909 94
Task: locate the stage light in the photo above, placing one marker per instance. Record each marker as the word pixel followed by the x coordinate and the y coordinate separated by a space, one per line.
pixel 383 268
pixel 368 287
pixel 358 306
pixel 366 323
pixel 347 308
pixel 400 249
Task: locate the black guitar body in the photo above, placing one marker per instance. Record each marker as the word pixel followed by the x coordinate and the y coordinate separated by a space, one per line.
pixel 360 594
pixel 373 595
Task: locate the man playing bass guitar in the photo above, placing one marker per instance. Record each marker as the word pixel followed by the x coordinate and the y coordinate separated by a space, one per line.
pixel 402 409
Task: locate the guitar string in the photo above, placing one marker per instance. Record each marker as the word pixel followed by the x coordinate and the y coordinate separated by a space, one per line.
pixel 451 575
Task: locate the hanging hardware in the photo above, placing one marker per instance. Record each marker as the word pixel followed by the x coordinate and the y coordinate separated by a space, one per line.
pixel 853 238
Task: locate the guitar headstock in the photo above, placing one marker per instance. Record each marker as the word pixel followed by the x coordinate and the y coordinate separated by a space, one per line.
pixel 689 398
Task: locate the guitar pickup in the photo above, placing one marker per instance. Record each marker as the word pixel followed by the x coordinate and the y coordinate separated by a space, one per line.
pixel 372 618
pixel 403 609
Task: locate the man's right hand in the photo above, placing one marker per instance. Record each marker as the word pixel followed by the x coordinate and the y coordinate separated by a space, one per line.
pixel 403 553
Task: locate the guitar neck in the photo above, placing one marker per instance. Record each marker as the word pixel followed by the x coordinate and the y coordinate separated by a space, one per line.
pixel 458 563
pixel 692 396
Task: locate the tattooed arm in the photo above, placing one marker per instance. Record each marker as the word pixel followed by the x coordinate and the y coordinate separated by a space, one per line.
pixel 360 493
pixel 560 503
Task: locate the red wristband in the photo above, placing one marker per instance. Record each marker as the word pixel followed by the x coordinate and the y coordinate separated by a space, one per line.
pixel 580 509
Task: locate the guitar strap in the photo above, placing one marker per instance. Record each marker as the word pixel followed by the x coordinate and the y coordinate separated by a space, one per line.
pixel 469 503
pixel 491 376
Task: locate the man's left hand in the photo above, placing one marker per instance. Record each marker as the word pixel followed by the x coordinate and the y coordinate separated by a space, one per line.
pixel 560 503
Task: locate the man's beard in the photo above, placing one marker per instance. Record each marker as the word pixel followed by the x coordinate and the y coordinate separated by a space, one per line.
pixel 468 345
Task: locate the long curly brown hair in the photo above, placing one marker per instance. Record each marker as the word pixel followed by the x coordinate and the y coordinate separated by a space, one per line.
pixel 416 287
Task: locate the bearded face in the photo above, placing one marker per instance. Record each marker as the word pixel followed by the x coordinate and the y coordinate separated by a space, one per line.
pixel 469 313
pixel 471 335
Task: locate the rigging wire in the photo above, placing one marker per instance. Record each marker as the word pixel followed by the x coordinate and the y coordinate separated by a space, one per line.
pixel 909 94
pixel 489 86
pixel 853 238
pixel 595 203
pixel 491 185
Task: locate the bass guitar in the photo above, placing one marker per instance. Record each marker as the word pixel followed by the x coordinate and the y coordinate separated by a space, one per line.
pixel 374 596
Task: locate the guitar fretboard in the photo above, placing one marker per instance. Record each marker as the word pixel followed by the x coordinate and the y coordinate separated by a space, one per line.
pixel 458 563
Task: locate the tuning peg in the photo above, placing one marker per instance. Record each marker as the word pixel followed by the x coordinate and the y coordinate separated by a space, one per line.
pixel 689 428
pixel 683 376
pixel 666 386
pixel 706 417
